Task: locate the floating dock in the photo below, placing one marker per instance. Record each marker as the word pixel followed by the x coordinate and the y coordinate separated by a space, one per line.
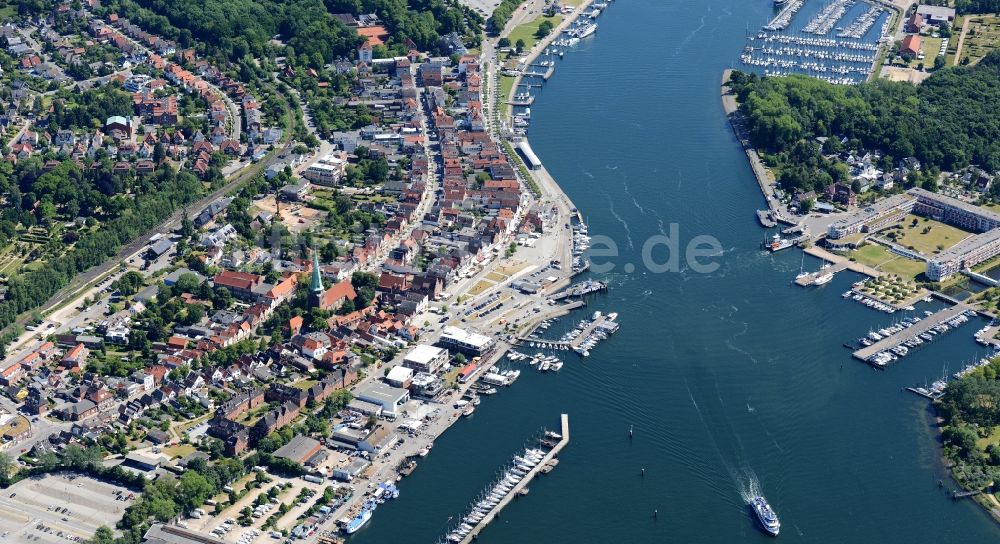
pixel 546 461
pixel 922 326
pixel 581 289
pixel 764 216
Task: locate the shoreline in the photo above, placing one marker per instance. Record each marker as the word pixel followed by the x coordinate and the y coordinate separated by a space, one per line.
pixel 762 174
pixel 539 48
pixel 730 106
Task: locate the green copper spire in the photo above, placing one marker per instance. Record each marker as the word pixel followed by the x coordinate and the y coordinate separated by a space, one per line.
pixel 317 282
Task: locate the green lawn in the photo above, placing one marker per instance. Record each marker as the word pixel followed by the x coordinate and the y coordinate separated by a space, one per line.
pixel 879 257
pixel 305 384
pixel 930 47
pixel 506 84
pixel 180 450
pixel 926 236
pixel 527 31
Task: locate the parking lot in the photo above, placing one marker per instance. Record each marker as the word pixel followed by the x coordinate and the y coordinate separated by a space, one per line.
pixel 59 509
pixel 226 528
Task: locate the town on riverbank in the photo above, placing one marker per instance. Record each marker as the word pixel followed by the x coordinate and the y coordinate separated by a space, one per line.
pixel 271 359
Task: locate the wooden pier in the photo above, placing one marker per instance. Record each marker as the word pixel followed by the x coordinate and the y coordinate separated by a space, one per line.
pixel 544 75
pixel 806 281
pixel 917 329
pixel 839 263
pixel 523 484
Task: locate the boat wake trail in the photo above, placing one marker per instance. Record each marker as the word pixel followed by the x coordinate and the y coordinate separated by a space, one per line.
pixel 692 34
pixel 748 483
pixel 630 195
pixel 628 231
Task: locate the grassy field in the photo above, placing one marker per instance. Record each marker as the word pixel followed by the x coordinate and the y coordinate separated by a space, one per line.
pixel 925 235
pixel 506 84
pixel 305 384
pixel 180 450
pixel 879 257
pixel 931 47
pixel 480 287
pixel 527 31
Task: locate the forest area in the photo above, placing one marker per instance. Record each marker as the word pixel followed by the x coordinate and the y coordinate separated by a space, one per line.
pixel 971 412
pixel 947 122
pixel 237 30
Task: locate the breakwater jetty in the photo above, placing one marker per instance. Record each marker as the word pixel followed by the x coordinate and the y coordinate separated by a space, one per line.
pixel 543 466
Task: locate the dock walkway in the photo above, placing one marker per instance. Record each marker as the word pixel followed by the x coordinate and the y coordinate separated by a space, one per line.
pixel 919 328
pixel 523 484
pixel 839 263
pixel 587 331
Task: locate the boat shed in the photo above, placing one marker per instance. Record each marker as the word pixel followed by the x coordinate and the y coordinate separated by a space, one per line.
pixel 529 155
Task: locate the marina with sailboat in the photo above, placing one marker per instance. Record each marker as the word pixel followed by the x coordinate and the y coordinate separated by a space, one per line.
pixel 512 482
pixel 820 48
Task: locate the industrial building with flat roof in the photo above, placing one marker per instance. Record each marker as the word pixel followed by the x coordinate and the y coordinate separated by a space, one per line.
pixel 299 449
pixel 388 397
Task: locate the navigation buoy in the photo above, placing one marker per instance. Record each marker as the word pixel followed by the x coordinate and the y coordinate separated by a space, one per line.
pixel 630 432
pixel 643 473
pixel 655 513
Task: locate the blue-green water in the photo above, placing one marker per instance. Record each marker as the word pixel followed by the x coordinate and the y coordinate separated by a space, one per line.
pixel 725 376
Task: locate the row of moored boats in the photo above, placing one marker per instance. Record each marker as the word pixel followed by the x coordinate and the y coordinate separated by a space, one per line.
pixel 519 467
pixel 883 358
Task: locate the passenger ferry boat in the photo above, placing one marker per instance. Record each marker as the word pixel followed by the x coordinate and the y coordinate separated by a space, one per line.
pixel 586 30
pixel 358 521
pixel 768 519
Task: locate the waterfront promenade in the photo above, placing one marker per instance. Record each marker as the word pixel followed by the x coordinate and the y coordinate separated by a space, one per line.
pixel 763 175
pixel 523 484
pixel 536 50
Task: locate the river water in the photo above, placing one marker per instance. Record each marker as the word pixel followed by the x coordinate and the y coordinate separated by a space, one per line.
pixel 732 379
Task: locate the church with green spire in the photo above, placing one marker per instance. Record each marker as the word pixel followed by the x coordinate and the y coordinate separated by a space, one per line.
pixel 316 285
